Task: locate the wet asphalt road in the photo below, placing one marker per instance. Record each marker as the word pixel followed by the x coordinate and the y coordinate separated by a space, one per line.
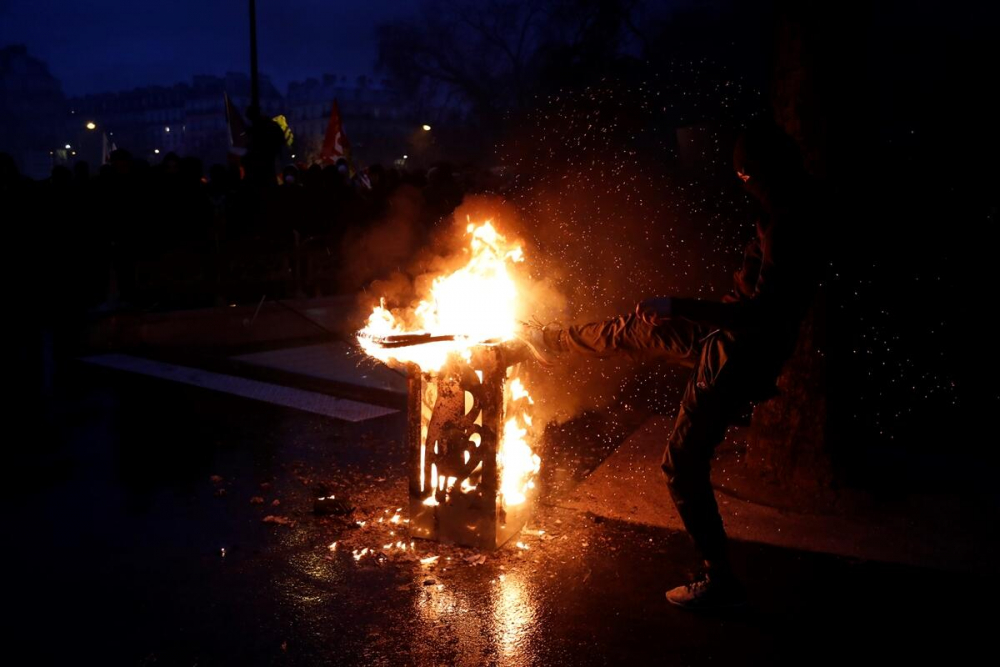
pixel 135 535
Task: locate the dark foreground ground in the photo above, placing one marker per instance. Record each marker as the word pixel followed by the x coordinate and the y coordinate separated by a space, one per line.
pixel 136 535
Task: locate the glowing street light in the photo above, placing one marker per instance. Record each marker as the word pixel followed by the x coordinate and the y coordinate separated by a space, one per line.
pixel 167 128
pixel 91 125
pixel 427 128
pixel 405 157
pixel 68 147
pixel 156 150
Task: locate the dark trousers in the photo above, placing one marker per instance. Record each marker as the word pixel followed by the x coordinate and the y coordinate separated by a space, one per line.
pixel 714 395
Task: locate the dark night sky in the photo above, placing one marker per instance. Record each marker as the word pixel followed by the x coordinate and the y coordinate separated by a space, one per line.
pixel 110 45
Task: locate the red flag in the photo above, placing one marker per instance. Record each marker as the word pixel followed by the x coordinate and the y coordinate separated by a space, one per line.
pixel 335 144
pixel 237 128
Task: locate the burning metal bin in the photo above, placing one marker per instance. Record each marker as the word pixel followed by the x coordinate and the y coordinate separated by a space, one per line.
pixel 456 423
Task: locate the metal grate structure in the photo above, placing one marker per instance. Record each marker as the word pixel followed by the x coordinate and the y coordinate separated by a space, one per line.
pixel 455 425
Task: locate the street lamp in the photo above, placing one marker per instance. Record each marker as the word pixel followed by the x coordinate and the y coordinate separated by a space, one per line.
pixel 68 147
pixel 167 128
pixel 427 128
pixel 156 150
pixel 91 125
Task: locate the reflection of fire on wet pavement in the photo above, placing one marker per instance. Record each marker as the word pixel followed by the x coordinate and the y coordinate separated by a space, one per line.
pixel 484 603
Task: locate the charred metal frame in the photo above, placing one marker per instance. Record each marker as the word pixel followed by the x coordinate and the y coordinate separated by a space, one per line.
pixel 455 425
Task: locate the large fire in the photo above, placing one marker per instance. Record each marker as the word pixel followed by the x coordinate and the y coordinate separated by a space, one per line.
pixel 518 463
pixel 474 305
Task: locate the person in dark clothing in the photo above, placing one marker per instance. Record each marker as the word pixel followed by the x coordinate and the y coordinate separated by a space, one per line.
pixel 735 348
pixel 265 138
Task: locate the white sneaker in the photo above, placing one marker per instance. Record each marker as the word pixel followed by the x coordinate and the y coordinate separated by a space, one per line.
pixel 707 593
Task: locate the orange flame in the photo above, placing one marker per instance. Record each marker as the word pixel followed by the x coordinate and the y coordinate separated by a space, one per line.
pixel 518 463
pixel 475 304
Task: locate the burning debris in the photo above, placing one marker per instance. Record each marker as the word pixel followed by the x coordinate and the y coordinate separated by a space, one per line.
pixel 326 505
pixel 472 465
pixel 280 520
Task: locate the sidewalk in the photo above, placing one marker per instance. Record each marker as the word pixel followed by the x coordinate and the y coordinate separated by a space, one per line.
pixel 267 323
pixel 944 532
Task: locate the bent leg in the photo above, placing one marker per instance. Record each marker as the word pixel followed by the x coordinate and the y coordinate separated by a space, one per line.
pixel 700 427
pixel 686 464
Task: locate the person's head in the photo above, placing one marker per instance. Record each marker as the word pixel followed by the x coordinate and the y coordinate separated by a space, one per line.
pixel 121 160
pixel 766 158
pixel 376 174
pixel 172 164
pixel 8 169
pixel 217 175
pixel 312 175
pixel 191 169
pixel 61 176
pixel 440 173
pixel 81 172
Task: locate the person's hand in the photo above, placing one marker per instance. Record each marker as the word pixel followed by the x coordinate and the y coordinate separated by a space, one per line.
pixel 655 310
